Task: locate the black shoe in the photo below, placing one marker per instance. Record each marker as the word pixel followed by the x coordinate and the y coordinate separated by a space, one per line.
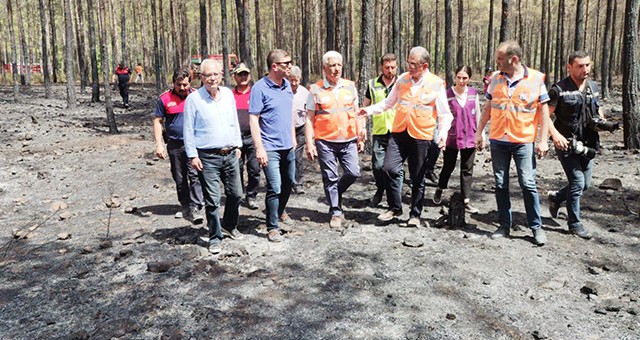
pixel 581 232
pixel 298 190
pixel 196 215
pixel 377 198
pixel 553 206
pixel 252 204
pixel 501 232
pixel 437 196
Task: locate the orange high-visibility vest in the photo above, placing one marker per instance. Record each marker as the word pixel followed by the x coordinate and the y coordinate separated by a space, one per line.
pixel 516 117
pixel 335 116
pixel 416 113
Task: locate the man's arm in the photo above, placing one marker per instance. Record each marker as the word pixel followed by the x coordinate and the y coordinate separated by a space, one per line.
pixel 445 117
pixel 559 141
pixel 261 154
pixel 161 151
pixel 543 144
pixel 482 123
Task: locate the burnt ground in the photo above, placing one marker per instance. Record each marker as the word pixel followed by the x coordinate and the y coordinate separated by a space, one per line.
pixel 85 215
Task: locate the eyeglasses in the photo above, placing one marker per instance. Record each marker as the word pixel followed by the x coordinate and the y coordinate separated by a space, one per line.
pixel 283 63
pixel 209 75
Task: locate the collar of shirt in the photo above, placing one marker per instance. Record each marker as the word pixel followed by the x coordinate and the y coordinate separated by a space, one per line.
pixel 210 96
pixel 270 83
pixel 381 81
pixel 514 82
pixel 326 84
pixel 419 82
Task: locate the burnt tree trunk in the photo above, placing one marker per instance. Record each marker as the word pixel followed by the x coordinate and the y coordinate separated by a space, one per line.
pixel 54 43
pixel 559 42
pixel 448 42
pixel 604 62
pixel 14 53
pixel 104 58
pixel 396 34
pixel 488 60
pixel 157 63
pixel 631 77
pixel 95 78
pixel 203 29
pixel 45 53
pixel 25 77
pixel 260 62
pixel 330 43
pixel 436 56
pixel 80 38
pixel 578 42
pixel 366 49
pixel 460 39
pixel 306 42
pixel 505 23
pixel 417 23
pixel 69 66
pixel 225 43
pixel 243 11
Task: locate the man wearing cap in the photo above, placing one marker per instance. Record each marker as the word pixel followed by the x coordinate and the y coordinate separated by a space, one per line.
pixel 242 93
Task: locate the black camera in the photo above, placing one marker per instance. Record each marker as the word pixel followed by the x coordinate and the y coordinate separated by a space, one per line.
pixel 576 147
pixel 598 123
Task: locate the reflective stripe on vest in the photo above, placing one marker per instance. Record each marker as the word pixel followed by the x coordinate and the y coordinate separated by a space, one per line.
pixel 335 116
pixel 382 123
pixel 416 113
pixel 516 117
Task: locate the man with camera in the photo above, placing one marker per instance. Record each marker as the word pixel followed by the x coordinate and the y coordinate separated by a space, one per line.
pixel 574 102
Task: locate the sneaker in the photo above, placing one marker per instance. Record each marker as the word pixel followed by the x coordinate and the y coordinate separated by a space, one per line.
pixel 581 232
pixel 377 198
pixel 553 206
pixel 389 215
pixel 437 196
pixel 539 237
pixel 501 232
pixel 252 204
pixel 178 214
pixel 414 222
pixel 215 246
pixel 233 234
pixel 186 214
pixel 196 216
pixel 284 218
pixel 470 208
pixel 336 221
pixel 274 235
pixel 431 177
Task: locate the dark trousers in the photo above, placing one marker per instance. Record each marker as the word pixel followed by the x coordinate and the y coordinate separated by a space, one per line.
pixel 432 157
pixel 253 167
pixel 300 155
pixel 467 157
pixel 402 147
pixel 124 92
pixel 378 152
pixel 216 170
pixel 185 176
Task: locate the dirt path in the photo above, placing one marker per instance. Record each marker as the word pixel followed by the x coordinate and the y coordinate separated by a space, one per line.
pixel 60 278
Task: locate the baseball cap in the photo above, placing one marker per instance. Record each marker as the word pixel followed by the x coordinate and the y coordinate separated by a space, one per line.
pixel 241 68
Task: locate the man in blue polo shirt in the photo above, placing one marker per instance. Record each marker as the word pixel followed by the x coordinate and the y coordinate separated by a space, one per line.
pixel 212 142
pixel 271 120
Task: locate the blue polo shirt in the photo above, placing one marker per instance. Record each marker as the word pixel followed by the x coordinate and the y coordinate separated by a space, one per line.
pixel 273 103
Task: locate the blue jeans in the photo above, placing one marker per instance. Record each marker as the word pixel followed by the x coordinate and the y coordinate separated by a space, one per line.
pixel 217 169
pixel 523 155
pixel 280 173
pixel 578 170
pixel 329 154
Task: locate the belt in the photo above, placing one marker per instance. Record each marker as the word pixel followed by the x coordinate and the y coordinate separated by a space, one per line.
pixel 223 151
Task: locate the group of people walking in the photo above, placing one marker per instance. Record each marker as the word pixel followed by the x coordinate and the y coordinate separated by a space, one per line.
pixel 213 132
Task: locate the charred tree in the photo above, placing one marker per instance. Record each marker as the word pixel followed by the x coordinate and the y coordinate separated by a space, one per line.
pixel 14 53
pixel 95 79
pixel 45 52
pixel 260 63
pixel 436 56
pixel 396 33
pixel 123 29
pixel 578 42
pixel 69 46
pixel 505 23
pixel 203 29
pixel 631 77
pixel 80 38
pixel 448 42
pixel 417 23
pixel 604 62
pixel 306 43
pixel 243 11
pixel 104 59
pixel 157 63
pixel 225 43
pixel 366 51
pixel 330 43
pixel 25 74
pixel 488 60
pixel 557 72
pixel 543 40
pixel 460 40
pixel 54 41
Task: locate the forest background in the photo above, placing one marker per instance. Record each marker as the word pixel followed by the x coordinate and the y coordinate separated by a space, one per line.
pixel 81 41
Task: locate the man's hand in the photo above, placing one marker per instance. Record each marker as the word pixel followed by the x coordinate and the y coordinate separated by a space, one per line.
pixel 559 141
pixel 161 152
pixel 312 152
pixel 360 144
pixel 196 163
pixel 442 142
pixel 541 149
pixel 261 155
pixel 479 141
pixel 362 113
pixel 238 153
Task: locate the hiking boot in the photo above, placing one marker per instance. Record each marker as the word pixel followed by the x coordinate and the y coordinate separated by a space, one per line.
pixel 377 198
pixel 284 218
pixel 539 237
pixel 215 246
pixel 553 206
pixel 233 234
pixel 501 232
pixel 414 222
pixel 581 232
pixel 437 196
pixel 470 208
pixel 274 235
pixel 336 221
pixel 389 215
pixel 251 203
pixel 196 216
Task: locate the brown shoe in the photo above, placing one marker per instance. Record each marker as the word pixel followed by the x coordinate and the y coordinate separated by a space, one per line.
pixel 389 215
pixel 336 221
pixel 274 235
pixel 414 222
